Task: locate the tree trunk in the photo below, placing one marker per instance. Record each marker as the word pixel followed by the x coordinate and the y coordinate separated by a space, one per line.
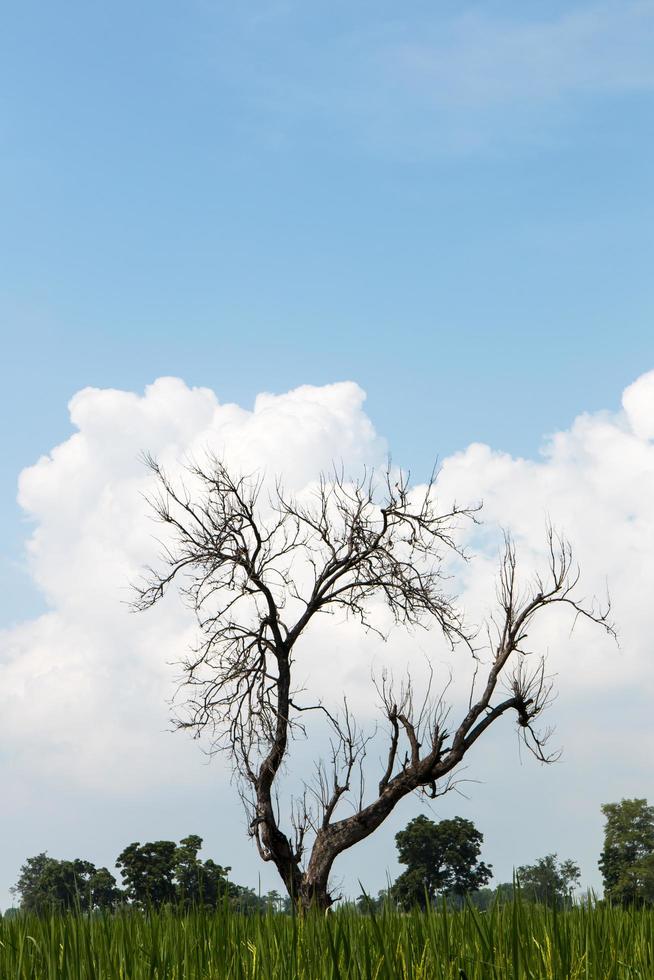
pixel 314 894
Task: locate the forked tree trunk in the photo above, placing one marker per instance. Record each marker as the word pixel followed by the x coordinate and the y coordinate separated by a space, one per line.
pixel 314 894
pixel 358 546
pixel 332 840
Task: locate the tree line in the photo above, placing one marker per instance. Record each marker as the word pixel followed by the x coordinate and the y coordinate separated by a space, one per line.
pixel 154 874
pixel 442 862
pixel 443 865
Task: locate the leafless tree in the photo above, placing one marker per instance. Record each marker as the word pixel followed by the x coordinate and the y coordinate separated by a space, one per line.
pixel 258 567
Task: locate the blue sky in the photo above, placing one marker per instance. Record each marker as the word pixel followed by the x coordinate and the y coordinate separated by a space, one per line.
pixel 258 195
pixel 449 204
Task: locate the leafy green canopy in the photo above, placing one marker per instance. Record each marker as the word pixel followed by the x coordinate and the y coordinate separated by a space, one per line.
pixel 46 883
pixel 162 872
pixel 154 874
pixel 442 859
pixel 548 881
pixel 627 859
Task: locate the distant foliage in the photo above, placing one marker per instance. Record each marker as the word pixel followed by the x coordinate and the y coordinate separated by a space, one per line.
pixel 199 882
pixel 627 859
pixel 549 881
pixel 367 904
pixel 483 898
pixel 154 874
pixel 148 871
pixel 46 884
pixel 162 872
pixel 444 868
pixel 442 859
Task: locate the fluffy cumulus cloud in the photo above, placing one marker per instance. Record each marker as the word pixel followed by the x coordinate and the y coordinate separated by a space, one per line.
pixel 594 482
pixel 83 688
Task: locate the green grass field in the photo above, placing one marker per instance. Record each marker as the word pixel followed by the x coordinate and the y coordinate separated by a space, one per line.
pixel 512 941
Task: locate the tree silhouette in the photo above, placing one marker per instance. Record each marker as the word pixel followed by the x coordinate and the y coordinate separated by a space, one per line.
pixel 259 569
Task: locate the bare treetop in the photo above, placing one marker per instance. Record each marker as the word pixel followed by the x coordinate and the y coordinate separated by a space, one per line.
pixel 258 567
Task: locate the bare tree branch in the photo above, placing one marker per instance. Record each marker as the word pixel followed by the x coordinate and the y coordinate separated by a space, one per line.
pixel 257 571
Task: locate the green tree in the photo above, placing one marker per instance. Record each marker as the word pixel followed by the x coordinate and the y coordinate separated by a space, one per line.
pixel 30 887
pixel 46 883
pixel 104 892
pixel 627 859
pixel 246 900
pixel 275 902
pixel 482 898
pixel 548 881
pixel 366 904
pixel 198 882
pixel 161 872
pixel 148 872
pixel 441 858
pixel 504 891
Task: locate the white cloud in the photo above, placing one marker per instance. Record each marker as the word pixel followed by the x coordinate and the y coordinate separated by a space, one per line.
pixel 83 688
pixel 637 401
pixel 595 482
pixel 85 683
